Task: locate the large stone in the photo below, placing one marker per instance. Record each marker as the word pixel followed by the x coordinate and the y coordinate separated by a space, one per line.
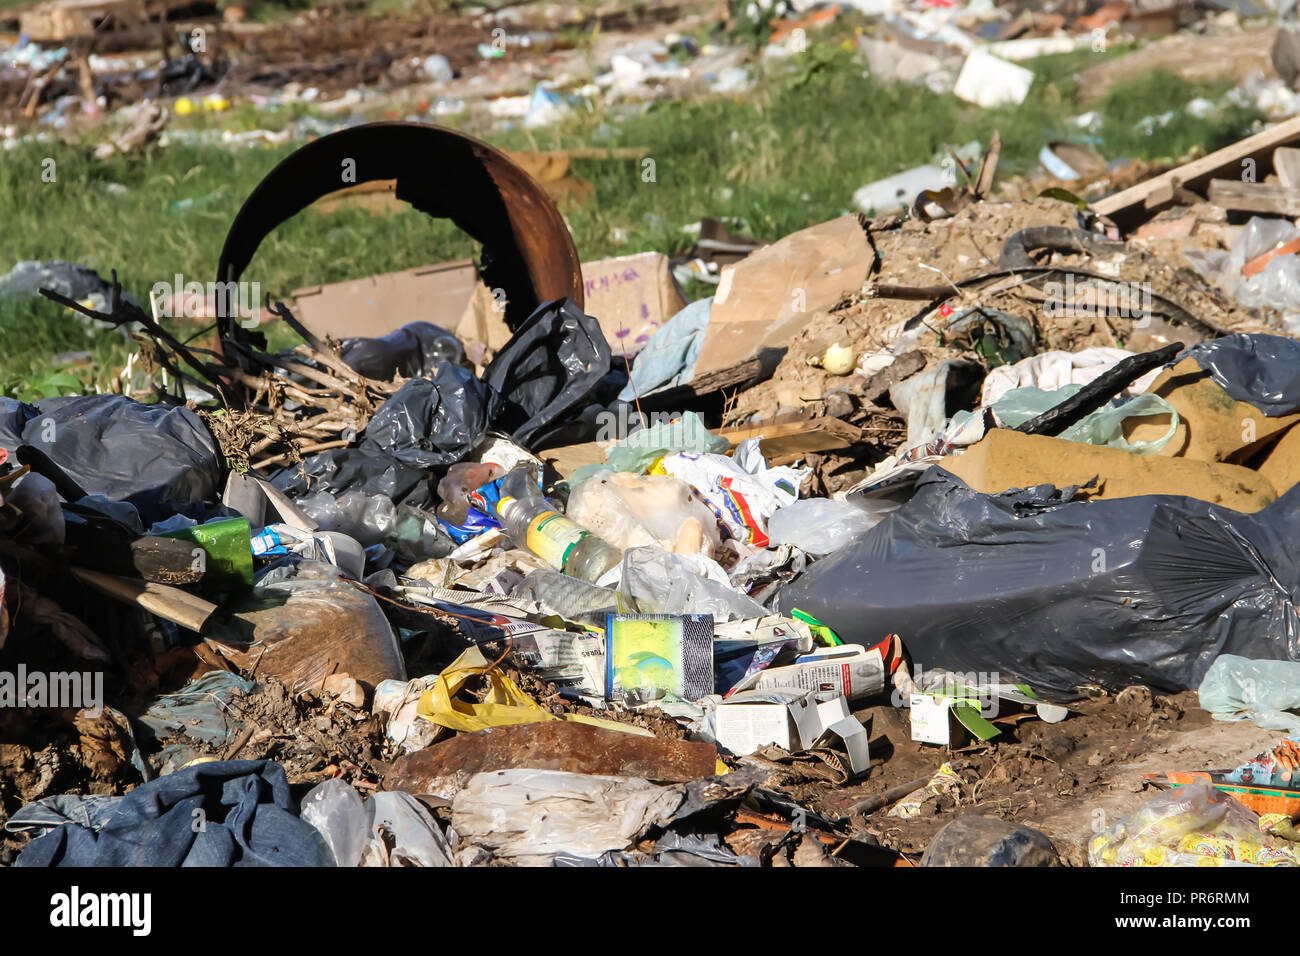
pixel 988 841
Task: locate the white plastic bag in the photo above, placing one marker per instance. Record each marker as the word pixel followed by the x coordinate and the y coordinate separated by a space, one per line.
pixel 1237 688
pixel 653 581
pixel 741 490
pixel 1057 368
pixel 334 808
pixel 820 525
pixel 631 511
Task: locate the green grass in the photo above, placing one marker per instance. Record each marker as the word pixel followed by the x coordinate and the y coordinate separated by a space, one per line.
pixel 33 333
pixel 1130 102
pixel 784 156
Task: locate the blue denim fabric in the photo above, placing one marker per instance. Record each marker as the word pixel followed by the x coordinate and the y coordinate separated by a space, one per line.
pixel 248 818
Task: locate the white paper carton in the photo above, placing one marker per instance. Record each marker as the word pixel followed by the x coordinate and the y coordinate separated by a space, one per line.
pixel 746 721
pixel 931 719
pixel 792 719
pixel 851 670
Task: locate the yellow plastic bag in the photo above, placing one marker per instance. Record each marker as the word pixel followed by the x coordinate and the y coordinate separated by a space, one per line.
pixel 505 703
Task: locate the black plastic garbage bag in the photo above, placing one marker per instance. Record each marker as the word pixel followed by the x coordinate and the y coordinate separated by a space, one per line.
pixel 534 386
pixel 1032 586
pixel 417 348
pixel 249 819
pixel 1261 369
pixel 67 278
pixel 351 469
pixel 433 421
pixel 160 458
pixel 546 370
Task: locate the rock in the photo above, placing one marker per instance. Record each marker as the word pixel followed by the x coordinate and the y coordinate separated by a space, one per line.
pixel 839 403
pixel 345 689
pixel 988 841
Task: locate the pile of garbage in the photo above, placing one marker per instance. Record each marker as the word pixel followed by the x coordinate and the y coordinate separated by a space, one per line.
pixel 919 530
pixel 519 64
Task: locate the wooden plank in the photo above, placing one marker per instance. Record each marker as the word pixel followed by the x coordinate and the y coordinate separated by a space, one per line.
pixel 169 603
pixel 566 459
pixel 1286 163
pixel 679 396
pixel 1161 196
pixel 903 367
pixel 785 435
pixel 1198 172
pixel 796 434
pixel 1255 197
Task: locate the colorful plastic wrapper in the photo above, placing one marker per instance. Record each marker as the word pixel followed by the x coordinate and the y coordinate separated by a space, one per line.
pixel 742 491
pixel 945 780
pixel 1195 825
pixel 652 656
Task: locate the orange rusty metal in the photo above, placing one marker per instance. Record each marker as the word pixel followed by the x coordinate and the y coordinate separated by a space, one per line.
pixel 527 248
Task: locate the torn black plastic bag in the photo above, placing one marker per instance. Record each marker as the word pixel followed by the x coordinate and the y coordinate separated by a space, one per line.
pixel 536 383
pixel 545 372
pixel 1064 594
pixel 350 469
pixel 1263 370
pixel 539 377
pixel 433 421
pixel 160 458
pixel 417 348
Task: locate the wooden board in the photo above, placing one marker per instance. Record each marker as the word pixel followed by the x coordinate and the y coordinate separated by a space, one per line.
pixel 793 435
pixel 1255 197
pixel 1224 163
pixel 169 603
pixel 778 437
pixel 1286 163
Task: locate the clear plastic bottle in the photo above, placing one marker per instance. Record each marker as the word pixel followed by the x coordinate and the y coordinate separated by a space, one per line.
pixel 530 522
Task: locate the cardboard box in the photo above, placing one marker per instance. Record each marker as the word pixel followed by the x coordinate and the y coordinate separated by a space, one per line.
pixel 954 720
pixel 765 299
pixel 933 721
pixel 791 719
pixel 630 296
pixel 378 304
pixel 823 718
pixel 746 721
